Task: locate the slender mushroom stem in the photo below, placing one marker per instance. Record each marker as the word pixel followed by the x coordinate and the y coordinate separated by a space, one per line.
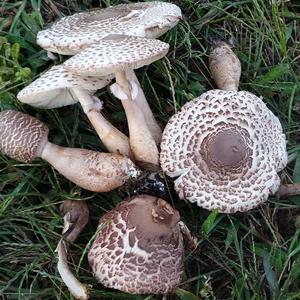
pixel 75 215
pixel 142 103
pixel 141 141
pixel 225 67
pixel 289 190
pixel 113 139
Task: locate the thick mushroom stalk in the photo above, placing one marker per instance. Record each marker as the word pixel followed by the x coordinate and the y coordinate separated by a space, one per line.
pixel 24 138
pixel 142 142
pixel 142 103
pixel 224 65
pixel 116 54
pixel 58 87
pixel 139 248
pixel 75 215
pixel 289 190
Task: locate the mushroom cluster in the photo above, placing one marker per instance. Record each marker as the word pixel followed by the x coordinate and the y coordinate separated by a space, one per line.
pixel 225 147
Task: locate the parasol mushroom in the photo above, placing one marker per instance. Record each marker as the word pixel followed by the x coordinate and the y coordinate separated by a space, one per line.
pixel 117 54
pixel 139 248
pixel 24 138
pixel 58 87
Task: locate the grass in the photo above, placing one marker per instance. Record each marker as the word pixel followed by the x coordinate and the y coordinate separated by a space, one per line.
pixel 254 255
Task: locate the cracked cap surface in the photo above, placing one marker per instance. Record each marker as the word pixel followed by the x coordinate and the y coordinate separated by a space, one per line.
pixel 116 53
pixel 226 147
pixel 51 89
pixel 145 19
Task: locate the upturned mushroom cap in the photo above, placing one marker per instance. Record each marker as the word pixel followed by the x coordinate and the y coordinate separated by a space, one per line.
pixel 72 34
pixel 139 247
pixel 21 136
pixel 51 90
pixel 226 147
pixel 116 53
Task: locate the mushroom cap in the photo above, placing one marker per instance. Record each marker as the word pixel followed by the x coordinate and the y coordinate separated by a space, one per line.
pixel 73 33
pixel 116 53
pixel 139 247
pixel 21 136
pixel 226 147
pixel 51 90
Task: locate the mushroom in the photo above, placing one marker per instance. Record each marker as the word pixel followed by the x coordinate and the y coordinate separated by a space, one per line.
pixel 58 87
pixel 24 138
pixel 226 146
pixel 116 54
pixel 73 33
pixel 139 248
pixel 224 65
pixel 76 216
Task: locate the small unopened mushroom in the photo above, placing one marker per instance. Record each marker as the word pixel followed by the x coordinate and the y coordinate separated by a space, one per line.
pixel 73 33
pixel 227 148
pixel 58 87
pixel 24 138
pixel 224 65
pixel 76 216
pixel 139 247
pixel 116 54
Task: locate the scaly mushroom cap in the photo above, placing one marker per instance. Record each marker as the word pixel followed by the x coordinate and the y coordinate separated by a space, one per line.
pixel 72 34
pixel 139 248
pixel 116 53
pixel 21 136
pixel 51 90
pixel 226 147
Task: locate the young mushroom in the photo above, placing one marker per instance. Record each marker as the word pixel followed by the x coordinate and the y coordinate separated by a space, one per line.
pixel 72 34
pixel 58 87
pixel 139 248
pixel 76 216
pixel 24 138
pixel 226 147
pixel 116 54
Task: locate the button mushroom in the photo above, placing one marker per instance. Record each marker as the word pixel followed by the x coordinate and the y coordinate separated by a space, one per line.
pixel 139 247
pixel 116 54
pixel 24 138
pixel 226 146
pixel 58 87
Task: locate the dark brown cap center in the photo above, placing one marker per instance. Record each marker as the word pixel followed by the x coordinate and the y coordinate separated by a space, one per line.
pixel 225 149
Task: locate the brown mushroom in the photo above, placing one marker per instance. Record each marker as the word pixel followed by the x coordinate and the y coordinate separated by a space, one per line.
pixel 139 247
pixel 24 138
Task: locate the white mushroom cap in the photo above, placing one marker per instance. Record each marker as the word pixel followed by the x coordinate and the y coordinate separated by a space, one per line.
pixel 51 90
pixel 74 33
pixel 226 147
pixel 116 53
pixel 139 247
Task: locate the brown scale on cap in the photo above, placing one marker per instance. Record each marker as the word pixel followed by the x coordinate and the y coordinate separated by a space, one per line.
pixel 226 147
pixel 22 136
pixel 139 248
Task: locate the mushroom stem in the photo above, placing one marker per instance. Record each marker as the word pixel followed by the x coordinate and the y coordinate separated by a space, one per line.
pixel 289 190
pixel 113 139
pixel 75 215
pixel 76 288
pixel 191 240
pixel 224 65
pixel 142 103
pixel 91 170
pixel 141 141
